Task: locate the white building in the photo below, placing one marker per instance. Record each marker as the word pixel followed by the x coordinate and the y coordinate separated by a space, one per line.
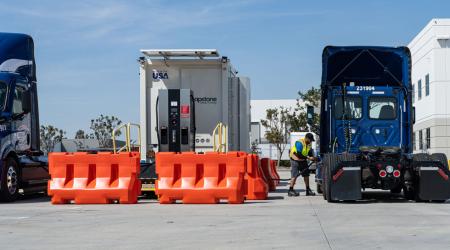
pixel 430 51
pixel 258 113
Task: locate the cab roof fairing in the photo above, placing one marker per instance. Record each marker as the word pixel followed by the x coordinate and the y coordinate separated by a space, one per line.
pixel 17 54
pixel 366 66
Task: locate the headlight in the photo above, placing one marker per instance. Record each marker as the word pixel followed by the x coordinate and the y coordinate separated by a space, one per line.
pixel 389 169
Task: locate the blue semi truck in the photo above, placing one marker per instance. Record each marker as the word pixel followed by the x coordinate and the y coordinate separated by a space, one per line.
pixel 366 128
pixel 23 168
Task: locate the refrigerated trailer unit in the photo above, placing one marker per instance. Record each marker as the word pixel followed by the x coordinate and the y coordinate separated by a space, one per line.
pixel 220 95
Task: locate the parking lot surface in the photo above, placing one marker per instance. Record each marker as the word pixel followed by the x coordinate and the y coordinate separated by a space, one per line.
pixel 381 221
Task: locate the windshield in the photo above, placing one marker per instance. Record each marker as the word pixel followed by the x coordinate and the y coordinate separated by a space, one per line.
pixel 382 108
pixel 3 90
pixel 353 105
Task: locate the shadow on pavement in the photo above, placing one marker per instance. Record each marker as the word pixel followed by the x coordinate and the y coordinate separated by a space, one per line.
pixel 285 190
pixel 275 198
pixel 370 197
pixel 284 183
pixel 252 202
pixel 33 198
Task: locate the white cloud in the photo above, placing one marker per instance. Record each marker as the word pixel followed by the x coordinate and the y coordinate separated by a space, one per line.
pixel 82 44
pixel 135 21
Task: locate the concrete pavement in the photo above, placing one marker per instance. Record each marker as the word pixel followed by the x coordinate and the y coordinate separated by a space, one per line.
pixel 381 221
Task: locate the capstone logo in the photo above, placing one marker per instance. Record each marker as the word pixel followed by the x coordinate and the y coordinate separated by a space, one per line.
pixel 206 100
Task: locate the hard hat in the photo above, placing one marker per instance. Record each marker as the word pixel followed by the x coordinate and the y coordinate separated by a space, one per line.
pixel 309 136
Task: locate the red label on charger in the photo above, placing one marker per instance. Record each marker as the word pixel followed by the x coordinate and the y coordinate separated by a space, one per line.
pixel 184 109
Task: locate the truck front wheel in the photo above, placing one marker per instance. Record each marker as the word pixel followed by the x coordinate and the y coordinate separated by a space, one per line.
pixel 9 190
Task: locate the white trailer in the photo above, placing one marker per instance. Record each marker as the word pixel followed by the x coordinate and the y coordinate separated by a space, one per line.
pixel 220 95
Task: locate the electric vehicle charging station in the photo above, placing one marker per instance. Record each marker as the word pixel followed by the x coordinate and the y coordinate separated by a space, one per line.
pixel 176 120
pixel 219 95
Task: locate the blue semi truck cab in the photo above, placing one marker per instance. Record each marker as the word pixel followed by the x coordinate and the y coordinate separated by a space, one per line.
pixel 23 168
pixel 366 126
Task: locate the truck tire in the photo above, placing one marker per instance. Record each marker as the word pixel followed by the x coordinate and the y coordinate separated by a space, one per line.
pixel 324 176
pixel 319 188
pixel 347 157
pixel 9 190
pixel 422 157
pixel 441 158
pixel 411 193
pixel 331 162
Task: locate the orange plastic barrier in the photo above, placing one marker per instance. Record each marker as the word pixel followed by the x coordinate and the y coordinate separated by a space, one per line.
pixel 94 178
pixel 200 178
pixel 268 175
pixel 273 169
pixel 255 186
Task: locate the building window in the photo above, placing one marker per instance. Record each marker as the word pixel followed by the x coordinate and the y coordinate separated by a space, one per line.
pixel 413 92
pixel 428 138
pixel 414 141
pixel 427 85
pixel 419 89
pixel 420 140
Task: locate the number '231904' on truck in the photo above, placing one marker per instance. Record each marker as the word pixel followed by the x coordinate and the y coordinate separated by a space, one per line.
pixel 366 128
pixel 22 167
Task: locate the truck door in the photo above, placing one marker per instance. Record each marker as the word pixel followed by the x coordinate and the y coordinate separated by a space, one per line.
pixel 33 172
pixel 20 125
pixel 5 126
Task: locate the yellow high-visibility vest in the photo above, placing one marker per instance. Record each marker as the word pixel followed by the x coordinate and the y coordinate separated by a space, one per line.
pixel 305 149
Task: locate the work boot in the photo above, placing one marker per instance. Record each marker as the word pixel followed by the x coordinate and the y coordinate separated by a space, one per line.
pixel 309 192
pixel 292 192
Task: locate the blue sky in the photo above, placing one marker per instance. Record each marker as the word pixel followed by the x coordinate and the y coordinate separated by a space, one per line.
pixel 86 51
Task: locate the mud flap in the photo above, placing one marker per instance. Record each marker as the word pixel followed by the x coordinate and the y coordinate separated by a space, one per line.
pixel 434 184
pixel 346 184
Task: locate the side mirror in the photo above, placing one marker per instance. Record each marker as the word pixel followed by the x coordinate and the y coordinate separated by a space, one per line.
pixel 26 101
pixel 310 115
pixel 413 115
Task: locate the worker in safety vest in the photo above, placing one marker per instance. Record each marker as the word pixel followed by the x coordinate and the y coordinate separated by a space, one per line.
pixel 300 153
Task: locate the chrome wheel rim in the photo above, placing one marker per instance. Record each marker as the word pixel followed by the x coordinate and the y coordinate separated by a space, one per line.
pixel 11 180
